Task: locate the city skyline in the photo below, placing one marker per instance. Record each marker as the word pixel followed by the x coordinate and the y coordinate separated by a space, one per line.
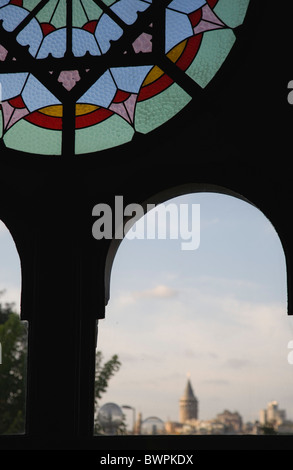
pixel 269 418
pixel 218 312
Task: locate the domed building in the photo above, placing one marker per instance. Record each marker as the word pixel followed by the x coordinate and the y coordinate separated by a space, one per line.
pixel 188 405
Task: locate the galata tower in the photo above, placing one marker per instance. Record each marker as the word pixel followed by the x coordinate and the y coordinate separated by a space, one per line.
pixel 188 405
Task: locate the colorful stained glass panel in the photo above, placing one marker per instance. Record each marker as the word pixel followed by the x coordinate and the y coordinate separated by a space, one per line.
pixel 98 71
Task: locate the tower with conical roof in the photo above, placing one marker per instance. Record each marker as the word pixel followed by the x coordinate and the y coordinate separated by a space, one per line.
pixel 188 405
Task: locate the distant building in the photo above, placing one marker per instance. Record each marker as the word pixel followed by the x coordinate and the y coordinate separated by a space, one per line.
pixel 188 405
pixel 272 414
pixel 137 426
pixel 153 425
pixel 232 421
pixel 172 427
pixel 263 417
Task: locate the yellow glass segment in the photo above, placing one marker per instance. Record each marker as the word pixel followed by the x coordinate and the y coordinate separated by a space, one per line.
pixel 57 110
pixel 173 55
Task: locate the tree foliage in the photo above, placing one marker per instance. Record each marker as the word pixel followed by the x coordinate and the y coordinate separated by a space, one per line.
pixel 104 371
pixel 13 340
pixel 268 429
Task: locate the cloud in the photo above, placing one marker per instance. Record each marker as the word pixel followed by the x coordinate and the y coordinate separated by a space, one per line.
pixel 216 382
pixel 235 363
pixel 141 357
pixel 191 353
pixel 227 283
pixel 158 292
pixel 235 349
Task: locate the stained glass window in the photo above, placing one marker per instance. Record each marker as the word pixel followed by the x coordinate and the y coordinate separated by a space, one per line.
pixel 81 76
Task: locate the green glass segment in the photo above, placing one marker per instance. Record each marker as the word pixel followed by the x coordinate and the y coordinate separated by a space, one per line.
pixel 93 12
pixel 151 114
pixel 59 17
pixel 232 12
pixel 30 4
pixel 55 12
pixel 109 2
pixel 78 15
pixel 45 14
pixel 112 132
pixel 26 137
pixel 214 49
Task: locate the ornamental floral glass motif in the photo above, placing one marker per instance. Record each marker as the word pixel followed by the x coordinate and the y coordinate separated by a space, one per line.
pixel 79 76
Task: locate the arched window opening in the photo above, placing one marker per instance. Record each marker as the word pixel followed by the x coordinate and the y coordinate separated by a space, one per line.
pixel 13 340
pixel 202 334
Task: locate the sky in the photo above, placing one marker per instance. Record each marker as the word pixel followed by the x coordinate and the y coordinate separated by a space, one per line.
pixel 216 313
pixel 10 273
